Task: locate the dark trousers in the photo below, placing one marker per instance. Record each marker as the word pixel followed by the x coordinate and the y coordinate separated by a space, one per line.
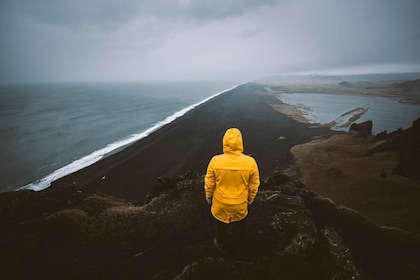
pixel 232 234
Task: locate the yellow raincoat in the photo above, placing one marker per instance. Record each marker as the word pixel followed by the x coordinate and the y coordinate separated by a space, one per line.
pixel 232 179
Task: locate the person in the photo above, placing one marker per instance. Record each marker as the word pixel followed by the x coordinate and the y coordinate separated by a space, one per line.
pixel 231 184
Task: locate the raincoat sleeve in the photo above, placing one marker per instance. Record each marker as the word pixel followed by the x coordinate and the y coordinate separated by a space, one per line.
pixel 254 182
pixel 209 181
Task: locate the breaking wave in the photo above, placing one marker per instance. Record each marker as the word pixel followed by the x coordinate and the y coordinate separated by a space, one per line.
pixel 101 153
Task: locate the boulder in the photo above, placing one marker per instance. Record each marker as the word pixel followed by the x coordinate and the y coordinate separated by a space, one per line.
pixel 409 150
pixel 407 144
pixel 363 129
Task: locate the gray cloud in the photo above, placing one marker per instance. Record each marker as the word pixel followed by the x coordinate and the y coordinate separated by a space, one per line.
pixel 53 40
pixel 117 12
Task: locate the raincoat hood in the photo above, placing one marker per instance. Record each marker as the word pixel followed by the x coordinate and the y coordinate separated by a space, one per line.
pixel 232 141
pixel 232 179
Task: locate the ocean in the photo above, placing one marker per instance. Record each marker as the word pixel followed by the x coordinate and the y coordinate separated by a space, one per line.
pixel 342 110
pixel 50 130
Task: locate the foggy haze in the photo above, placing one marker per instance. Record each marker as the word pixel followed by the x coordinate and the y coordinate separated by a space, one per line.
pixel 119 40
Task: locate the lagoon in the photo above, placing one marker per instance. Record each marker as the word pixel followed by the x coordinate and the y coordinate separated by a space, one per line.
pixel 342 110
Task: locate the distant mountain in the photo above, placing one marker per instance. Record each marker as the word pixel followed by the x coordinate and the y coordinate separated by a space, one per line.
pixel 360 77
pixel 382 77
pixel 407 86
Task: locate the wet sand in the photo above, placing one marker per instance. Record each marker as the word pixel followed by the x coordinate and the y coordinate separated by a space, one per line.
pixel 188 143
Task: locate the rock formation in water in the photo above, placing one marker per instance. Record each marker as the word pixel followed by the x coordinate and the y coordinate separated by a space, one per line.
pixel 363 129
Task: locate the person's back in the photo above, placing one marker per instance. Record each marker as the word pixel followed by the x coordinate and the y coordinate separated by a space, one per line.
pixel 231 183
pixel 234 172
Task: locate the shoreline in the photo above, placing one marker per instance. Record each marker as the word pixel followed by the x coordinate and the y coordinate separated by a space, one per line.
pixel 278 140
pixel 189 142
pixel 367 106
pixel 111 148
pixel 337 168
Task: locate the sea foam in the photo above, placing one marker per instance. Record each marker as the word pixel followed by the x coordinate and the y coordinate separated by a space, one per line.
pixel 94 157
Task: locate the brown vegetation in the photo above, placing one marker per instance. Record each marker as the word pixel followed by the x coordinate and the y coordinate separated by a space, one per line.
pixel 365 183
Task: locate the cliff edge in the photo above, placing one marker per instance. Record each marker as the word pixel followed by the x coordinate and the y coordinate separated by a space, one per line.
pixel 68 233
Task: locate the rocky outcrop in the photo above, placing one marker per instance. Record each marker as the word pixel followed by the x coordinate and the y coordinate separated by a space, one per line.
pixel 409 149
pixel 363 129
pixel 407 144
pixel 67 233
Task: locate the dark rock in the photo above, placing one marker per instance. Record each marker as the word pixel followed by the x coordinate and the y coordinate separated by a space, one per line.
pixel 409 150
pixel 284 184
pixel 363 129
pixel 387 141
pixel 389 145
pixel 334 173
pixel 407 144
pixel 293 233
pixel 382 253
pixel 385 135
pixel 337 258
pixel 166 183
pixel 380 136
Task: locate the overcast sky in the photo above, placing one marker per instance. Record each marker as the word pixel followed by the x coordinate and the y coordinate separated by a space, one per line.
pixel 96 40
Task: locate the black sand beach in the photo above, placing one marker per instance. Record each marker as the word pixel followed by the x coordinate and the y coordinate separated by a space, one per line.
pixel 188 143
pixel 295 232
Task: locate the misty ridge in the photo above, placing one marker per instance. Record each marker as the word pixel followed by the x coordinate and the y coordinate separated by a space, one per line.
pixel 373 77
